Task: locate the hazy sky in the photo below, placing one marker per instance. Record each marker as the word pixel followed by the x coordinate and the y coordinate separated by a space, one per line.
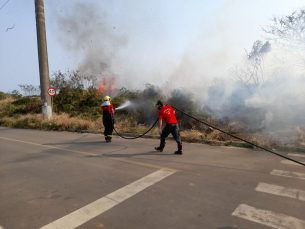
pixel 177 41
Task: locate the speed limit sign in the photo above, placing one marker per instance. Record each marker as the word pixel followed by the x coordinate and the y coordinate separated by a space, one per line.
pixel 51 91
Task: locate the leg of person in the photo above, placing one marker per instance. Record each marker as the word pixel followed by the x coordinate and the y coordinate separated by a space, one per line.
pixel 105 129
pixel 176 135
pixel 108 130
pixel 165 132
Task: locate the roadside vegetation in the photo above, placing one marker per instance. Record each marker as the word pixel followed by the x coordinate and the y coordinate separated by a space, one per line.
pixel 279 123
pixel 77 107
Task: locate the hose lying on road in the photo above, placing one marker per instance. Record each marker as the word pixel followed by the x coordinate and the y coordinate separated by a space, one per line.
pixel 239 138
pixel 270 151
pixel 136 136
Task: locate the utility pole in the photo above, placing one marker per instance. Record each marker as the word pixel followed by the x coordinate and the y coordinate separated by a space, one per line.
pixel 43 58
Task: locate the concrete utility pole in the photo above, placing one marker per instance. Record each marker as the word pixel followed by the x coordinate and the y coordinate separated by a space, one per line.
pixel 43 58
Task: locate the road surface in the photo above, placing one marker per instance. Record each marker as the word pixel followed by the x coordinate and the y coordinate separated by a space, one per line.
pixel 53 179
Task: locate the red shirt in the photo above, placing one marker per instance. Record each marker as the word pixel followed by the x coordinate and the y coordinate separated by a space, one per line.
pixel 109 108
pixel 167 113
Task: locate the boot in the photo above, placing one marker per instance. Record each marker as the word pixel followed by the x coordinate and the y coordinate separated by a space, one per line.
pixel 161 147
pixel 179 151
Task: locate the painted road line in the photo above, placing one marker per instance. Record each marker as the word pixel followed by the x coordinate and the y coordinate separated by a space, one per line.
pixel 99 206
pixel 92 154
pixel 287 162
pixel 281 191
pixel 296 155
pixel 268 218
pixel 288 174
pixel 143 164
pixel 54 147
pixel 1 227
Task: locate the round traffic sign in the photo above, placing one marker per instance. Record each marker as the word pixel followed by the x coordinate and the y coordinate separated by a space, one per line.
pixel 51 91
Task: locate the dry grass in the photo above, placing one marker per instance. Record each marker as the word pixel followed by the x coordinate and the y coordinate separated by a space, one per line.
pixel 7 100
pixel 35 121
pixel 5 103
pixel 131 126
pixel 292 137
pixel 63 122
pixel 191 135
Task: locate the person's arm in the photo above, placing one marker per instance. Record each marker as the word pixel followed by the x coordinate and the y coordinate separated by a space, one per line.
pixel 112 109
pixel 160 126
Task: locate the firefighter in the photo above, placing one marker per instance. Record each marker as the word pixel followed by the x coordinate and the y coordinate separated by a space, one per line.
pixel 168 114
pixel 108 111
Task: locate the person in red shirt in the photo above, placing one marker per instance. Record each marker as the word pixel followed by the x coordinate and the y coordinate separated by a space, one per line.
pixel 108 111
pixel 168 114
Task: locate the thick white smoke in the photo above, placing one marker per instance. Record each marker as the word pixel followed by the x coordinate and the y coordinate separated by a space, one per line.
pixel 105 48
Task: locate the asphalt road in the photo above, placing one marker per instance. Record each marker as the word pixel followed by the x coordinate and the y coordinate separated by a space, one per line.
pixel 51 179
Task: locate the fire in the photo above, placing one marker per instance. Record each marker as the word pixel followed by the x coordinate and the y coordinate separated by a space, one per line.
pixel 106 86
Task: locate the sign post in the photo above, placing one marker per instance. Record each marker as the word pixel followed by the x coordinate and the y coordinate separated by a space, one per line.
pixel 52 92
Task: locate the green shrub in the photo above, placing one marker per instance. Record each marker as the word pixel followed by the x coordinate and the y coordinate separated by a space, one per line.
pixel 3 95
pixel 28 100
pixel 67 107
pixel 73 114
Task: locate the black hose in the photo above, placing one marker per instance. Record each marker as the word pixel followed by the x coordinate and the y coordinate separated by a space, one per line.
pixel 239 138
pixel 137 136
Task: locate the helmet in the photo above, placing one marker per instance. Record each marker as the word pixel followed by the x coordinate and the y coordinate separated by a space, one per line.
pixel 107 98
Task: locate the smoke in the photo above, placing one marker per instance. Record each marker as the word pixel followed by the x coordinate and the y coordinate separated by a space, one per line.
pixel 267 121
pixel 84 32
pixel 134 56
pixel 101 46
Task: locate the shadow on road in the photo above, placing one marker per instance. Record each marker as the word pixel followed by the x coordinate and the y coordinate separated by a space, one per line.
pixel 76 143
pixel 228 228
pixel 133 155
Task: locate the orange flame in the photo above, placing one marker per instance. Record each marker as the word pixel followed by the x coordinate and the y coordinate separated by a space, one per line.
pixel 106 86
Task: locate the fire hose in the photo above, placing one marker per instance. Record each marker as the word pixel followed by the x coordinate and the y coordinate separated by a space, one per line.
pixel 136 136
pixel 270 151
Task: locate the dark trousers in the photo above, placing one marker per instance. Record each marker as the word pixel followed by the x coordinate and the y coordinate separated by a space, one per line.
pixel 171 129
pixel 107 121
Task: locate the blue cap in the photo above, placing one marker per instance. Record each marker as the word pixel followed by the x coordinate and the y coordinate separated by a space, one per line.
pixel 159 102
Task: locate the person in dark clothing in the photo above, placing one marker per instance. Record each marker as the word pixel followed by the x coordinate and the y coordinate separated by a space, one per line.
pixel 108 111
pixel 168 114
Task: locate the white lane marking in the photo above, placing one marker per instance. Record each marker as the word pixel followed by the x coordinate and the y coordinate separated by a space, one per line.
pixel 281 191
pixel 99 206
pixel 288 174
pixel 296 155
pixel 1 227
pixel 269 218
pixel 287 162
pixel 137 186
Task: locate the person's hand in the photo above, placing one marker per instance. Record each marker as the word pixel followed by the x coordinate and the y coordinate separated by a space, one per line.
pixel 160 131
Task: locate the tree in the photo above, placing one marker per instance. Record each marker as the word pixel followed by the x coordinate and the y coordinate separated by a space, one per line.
pixel 72 80
pixel 288 33
pixel 252 73
pixel 30 90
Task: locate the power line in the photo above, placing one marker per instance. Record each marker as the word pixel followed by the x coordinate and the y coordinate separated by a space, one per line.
pixel 4 4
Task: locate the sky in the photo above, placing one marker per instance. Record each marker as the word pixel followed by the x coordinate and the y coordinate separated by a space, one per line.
pixel 181 43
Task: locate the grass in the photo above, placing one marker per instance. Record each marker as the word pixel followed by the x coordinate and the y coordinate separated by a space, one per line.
pixel 35 121
pixel 25 113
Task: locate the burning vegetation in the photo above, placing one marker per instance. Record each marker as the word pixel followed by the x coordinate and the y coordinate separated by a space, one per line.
pixel 106 86
pixel 80 102
pixel 261 100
